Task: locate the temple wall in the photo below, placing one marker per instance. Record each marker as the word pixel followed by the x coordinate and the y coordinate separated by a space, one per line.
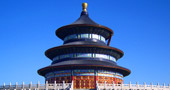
pixel 84 78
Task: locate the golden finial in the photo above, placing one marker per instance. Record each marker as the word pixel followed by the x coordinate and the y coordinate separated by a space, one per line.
pixel 84 5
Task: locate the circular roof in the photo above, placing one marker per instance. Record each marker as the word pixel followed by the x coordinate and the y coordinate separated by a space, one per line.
pixel 88 64
pixel 83 25
pixel 66 49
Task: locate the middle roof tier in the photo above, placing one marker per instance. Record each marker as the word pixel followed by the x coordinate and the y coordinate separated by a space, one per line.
pixel 71 49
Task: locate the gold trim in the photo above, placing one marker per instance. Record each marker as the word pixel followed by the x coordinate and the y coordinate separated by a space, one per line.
pixel 84 5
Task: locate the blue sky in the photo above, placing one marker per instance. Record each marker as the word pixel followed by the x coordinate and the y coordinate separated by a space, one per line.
pixel 141 29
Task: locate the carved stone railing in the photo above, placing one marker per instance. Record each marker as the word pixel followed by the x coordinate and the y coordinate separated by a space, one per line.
pixel 105 86
pixel 38 86
pixel 69 86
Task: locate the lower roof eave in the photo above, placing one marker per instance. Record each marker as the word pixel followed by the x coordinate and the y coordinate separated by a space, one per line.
pixel 119 69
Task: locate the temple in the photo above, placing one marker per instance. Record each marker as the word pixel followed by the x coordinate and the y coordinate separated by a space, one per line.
pixel 84 58
pixel 85 61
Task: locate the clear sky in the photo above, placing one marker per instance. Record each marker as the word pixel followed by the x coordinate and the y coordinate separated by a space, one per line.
pixel 141 29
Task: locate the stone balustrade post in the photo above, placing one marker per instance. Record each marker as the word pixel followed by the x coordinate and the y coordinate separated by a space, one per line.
pixel 157 85
pixel 122 86
pixel 169 86
pixel 96 84
pixel 72 85
pixel 130 85
pixel 30 85
pixel 63 85
pixel 104 85
pixel 55 85
pixel 164 85
pixel 38 85
pixel 23 85
pixel 151 85
pixel 144 84
pixel 137 85
pixel 16 85
pixel 3 85
pixel 46 85
pixel 9 84
pixel 113 85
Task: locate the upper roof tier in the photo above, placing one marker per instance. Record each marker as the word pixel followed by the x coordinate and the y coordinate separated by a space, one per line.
pixel 84 19
pixel 84 25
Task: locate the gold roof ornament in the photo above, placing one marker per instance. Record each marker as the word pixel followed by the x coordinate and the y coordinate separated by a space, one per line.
pixel 84 5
